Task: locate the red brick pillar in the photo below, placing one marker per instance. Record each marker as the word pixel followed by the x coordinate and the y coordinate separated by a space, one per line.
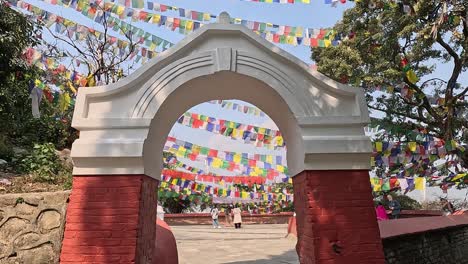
pixel 336 221
pixel 110 219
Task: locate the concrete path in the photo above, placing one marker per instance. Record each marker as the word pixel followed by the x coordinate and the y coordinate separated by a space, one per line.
pixel 253 244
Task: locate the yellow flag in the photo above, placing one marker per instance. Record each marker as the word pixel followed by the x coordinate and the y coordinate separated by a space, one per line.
pixel 258 170
pixel 412 146
pixel 280 168
pixel 156 19
pixel 377 184
pixel 459 176
pixel 419 183
pixel 378 146
pixel 269 158
pixel 206 17
pixel 91 81
pixel 189 25
pixel 120 10
pixel 70 85
pixel 299 32
pixel 217 163
pixel 279 141
pixel 64 101
pixel 237 158
pixel 411 75
pixel 235 132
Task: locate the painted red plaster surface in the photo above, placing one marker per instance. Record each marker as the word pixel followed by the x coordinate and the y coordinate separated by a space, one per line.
pixel 336 221
pixel 110 219
pixel 166 246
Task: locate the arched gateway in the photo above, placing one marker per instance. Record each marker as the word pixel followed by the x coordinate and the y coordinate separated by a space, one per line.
pixel 123 127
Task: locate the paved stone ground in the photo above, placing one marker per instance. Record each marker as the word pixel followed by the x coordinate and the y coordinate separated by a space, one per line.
pixel 252 244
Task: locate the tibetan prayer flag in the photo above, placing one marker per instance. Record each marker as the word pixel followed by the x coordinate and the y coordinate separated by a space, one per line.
pixel 138 3
pixel 458 176
pixel 419 183
pixel 386 186
pixel 411 75
pixel 412 146
pixel 376 183
pixel 378 146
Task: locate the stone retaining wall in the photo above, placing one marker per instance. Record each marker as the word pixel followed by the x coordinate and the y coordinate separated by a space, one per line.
pixel 429 240
pixel 31 227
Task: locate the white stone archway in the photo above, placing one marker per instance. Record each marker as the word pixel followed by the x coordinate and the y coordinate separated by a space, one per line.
pixel 114 120
pixel 123 126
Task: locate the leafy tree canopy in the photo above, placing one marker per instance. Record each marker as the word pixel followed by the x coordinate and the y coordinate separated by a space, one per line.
pixel 394 47
pixel 18 32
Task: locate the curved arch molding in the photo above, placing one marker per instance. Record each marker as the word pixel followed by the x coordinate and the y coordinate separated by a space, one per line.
pixel 123 126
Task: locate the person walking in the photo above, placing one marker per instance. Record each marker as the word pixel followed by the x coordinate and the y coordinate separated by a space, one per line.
pixel 214 216
pixel 228 215
pixel 237 216
pixel 394 207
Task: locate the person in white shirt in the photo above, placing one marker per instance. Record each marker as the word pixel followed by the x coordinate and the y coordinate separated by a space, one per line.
pixel 160 212
pixel 214 216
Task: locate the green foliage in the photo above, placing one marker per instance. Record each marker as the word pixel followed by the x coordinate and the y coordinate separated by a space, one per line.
pixel 19 200
pixel 19 128
pixel 6 148
pixel 16 33
pixel 45 165
pixel 406 202
pixel 377 38
pixel 175 202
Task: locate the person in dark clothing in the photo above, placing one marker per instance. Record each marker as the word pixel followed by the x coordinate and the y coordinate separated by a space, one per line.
pixel 394 207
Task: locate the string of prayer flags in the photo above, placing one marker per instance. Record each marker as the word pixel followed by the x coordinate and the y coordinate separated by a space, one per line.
pixel 176 163
pixel 72 29
pixel 394 153
pixel 186 186
pixel 406 184
pixel 274 33
pixel 283 34
pixel 230 155
pixel 258 136
pixel 239 164
pixel 225 159
pixel 252 110
pixel 87 9
pixel 39 89
pixel 245 180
